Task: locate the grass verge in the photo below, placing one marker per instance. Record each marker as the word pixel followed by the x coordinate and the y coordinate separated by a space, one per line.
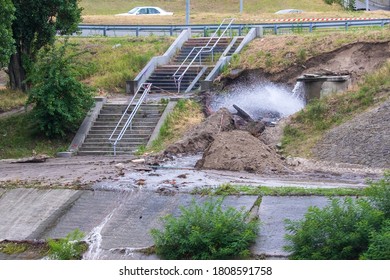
pixel 229 189
pixel 18 138
pixel 107 63
pixel 185 115
pixel 10 99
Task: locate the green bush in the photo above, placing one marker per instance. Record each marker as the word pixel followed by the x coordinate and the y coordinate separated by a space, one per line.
pixel 379 248
pixel 339 231
pixel 60 100
pixel 68 248
pixel 379 194
pixel 206 232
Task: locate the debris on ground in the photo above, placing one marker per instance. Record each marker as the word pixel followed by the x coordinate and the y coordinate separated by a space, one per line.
pixel 32 159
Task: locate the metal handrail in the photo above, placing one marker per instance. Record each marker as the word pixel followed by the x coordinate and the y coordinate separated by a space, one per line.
pixel 146 88
pixel 219 38
pixel 219 27
pixel 195 48
pixel 199 53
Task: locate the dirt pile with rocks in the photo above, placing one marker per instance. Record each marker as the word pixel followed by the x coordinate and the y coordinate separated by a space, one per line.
pixel 228 142
pixel 363 140
pixel 199 138
pixel 238 150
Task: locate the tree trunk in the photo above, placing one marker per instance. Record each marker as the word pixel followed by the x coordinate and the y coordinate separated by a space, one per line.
pixel 17 73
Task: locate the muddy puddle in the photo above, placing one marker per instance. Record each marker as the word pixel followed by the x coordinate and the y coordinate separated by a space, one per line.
pixel 180 175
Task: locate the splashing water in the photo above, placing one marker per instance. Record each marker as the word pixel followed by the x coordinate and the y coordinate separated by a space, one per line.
pixel 94 239
pixel 262 100
pixel 299 90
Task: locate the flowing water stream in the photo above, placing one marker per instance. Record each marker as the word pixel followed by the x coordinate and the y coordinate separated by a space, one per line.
pixel 94 239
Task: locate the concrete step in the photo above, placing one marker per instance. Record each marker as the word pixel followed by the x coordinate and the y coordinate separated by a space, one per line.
pixel 117 116
pixel 108 145
pixel 109 130
pixel 113 122
pixel 144 122
pixel 110 151
pixel 143 107
pixel 170 78
pixel 120 111
pixel 127 139
pixel 103 153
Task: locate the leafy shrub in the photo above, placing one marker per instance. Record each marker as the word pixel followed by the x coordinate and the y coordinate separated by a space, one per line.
pixel 379 248
pixel 339 231
pixel 379 194
pixel 68 248
pixel 61 101
pixel 206 232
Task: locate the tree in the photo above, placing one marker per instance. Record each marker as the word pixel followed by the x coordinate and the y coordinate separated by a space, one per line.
pixel 61 101
pixel 35 26
pixel 6 40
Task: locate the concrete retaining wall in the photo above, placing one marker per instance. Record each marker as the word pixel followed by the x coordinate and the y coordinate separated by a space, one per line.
pixel 318 87
pixel 85 127
pixel 171 105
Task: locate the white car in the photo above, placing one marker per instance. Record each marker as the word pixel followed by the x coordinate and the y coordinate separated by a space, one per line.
pixel 146 11
pixel 289 11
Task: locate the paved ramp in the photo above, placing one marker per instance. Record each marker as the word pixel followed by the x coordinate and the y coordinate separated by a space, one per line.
pixel 25 213
pixel 120 221
pixel 124 220
pixel 273 211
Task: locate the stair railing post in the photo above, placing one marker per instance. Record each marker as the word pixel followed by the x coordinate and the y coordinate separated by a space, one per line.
pixel 146 88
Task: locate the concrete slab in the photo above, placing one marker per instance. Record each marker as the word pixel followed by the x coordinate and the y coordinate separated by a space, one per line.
pixel 2 191
pixel 87 212
pixel 130 225
pixel 117 223
pixel 27 213
pixel 273 211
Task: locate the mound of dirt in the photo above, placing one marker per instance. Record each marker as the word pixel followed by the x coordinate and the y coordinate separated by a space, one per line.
pixel 240 151
pixel 199 138
pixel 363 140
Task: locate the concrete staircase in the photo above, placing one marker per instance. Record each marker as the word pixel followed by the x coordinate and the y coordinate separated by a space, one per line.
pixel 200 42
pixel 162 77
pixel 163 81
pixel 144 123
pixel 97 141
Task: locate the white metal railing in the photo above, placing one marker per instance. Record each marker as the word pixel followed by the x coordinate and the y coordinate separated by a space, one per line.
pixel 198 52
pixel 307 25
pixel 145 88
